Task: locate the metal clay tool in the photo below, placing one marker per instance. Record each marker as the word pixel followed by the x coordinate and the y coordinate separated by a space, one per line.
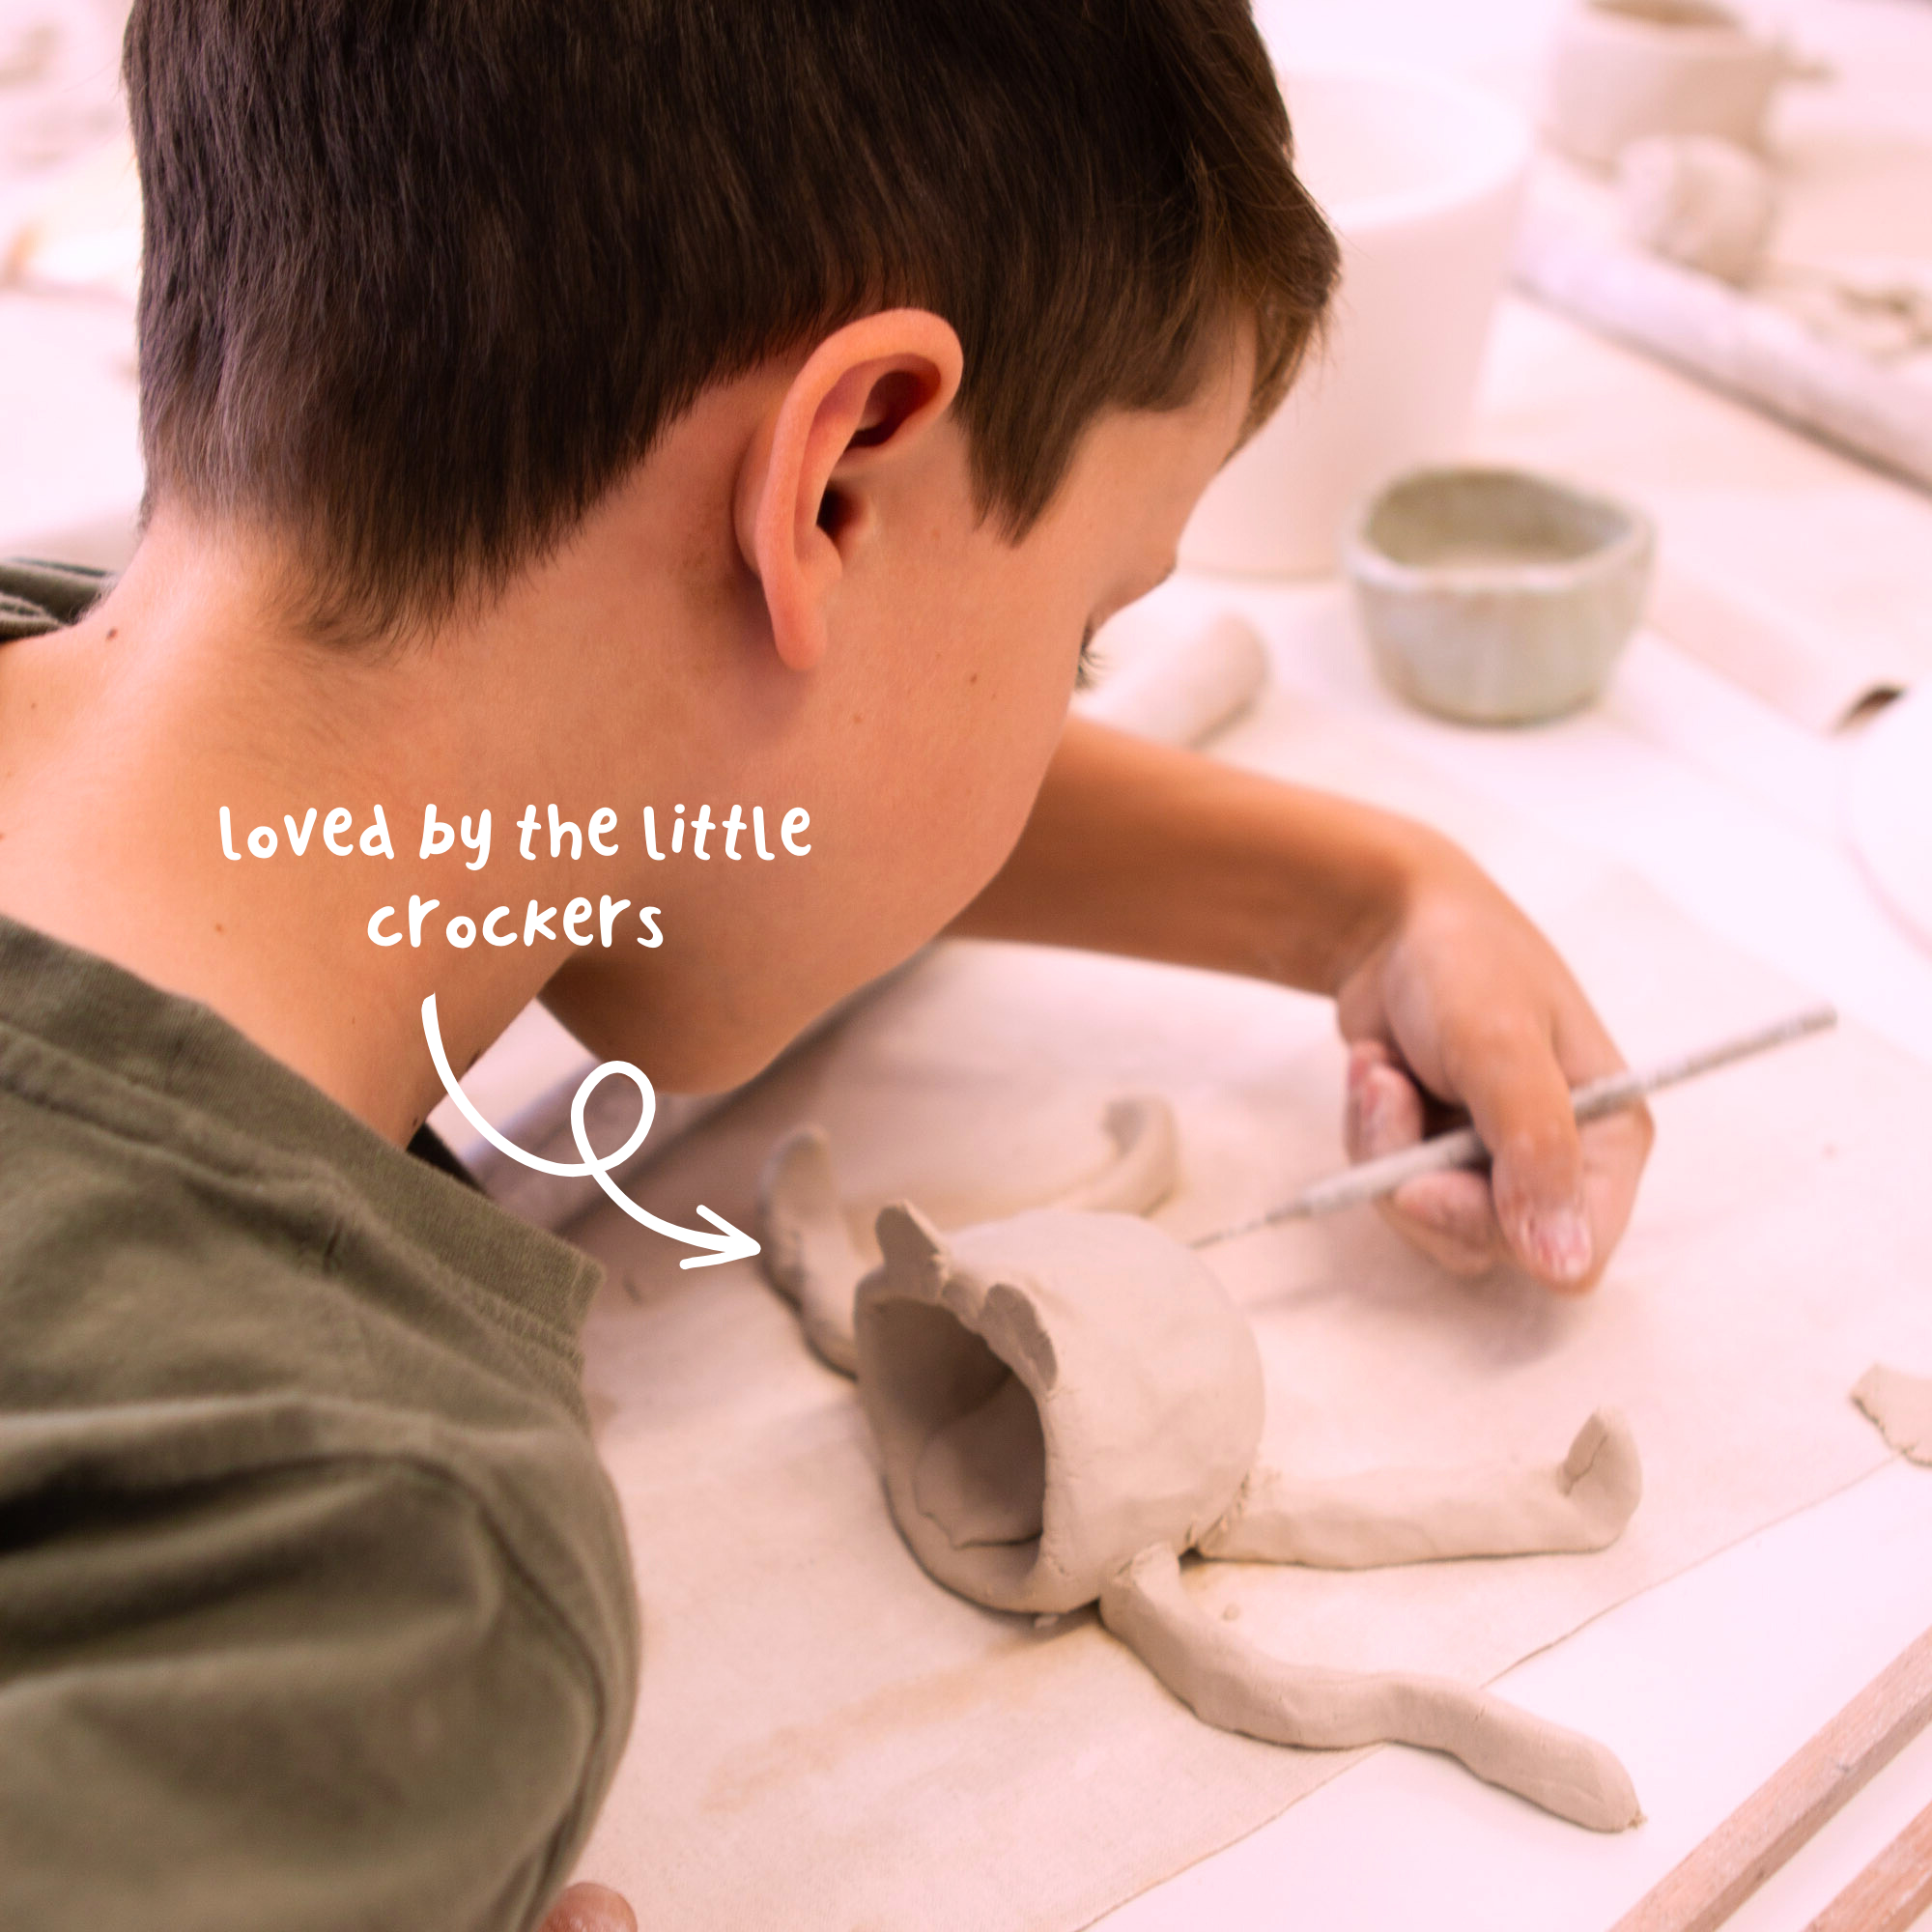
pixel 1464 1148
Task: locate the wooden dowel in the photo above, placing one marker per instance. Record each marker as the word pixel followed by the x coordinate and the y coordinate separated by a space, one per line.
pixel 1793 1803
pixel 1893 1892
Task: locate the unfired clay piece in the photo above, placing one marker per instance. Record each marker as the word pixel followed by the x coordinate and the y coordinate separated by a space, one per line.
pixel 1184 688
pixel 1066 1403
pixel 1878 306
pixel 1901 1406
pixel 809 1254
pixel 1696 199
pixel 1751 347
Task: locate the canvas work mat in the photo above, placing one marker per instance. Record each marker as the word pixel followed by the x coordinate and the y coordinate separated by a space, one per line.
pixel 827 1738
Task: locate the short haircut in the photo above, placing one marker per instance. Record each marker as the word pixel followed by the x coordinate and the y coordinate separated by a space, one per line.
pixel 423 278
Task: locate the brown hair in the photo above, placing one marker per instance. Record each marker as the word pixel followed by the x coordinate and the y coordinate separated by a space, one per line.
pixel 424 277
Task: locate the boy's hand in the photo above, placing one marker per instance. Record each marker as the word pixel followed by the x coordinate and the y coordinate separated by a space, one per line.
pixel 1448 994
pixel 1464 1004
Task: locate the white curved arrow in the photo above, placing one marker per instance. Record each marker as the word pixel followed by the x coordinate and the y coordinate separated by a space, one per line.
pixel 728 1244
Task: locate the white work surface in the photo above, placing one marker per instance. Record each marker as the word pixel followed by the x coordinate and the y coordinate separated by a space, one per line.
pixel 1711 1680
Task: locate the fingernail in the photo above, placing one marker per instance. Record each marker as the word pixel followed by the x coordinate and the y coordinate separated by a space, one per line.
pixel 1559 1242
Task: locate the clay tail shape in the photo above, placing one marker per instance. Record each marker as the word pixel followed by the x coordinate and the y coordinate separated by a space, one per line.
pixel 1146 1163
pixel 1416 1516
pixel 809 1254
pixel 1231 1684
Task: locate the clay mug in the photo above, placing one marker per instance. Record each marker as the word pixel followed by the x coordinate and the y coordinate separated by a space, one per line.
pixel 1050 1395
pixel 1621 70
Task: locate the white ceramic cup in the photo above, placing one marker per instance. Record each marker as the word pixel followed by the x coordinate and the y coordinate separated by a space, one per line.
pixel 1621 71
pixel 1421 177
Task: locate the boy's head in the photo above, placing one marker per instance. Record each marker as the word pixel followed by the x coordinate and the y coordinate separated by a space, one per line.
pixel 761 400
pixel 425 277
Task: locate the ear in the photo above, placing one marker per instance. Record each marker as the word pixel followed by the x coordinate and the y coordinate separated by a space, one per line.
pixel 866 395
pixel 908 1242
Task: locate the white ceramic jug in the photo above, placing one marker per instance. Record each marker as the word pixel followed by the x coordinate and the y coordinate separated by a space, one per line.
pixel 1421 177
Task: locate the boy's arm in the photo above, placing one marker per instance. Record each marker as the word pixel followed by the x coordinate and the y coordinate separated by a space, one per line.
pixel 1439 980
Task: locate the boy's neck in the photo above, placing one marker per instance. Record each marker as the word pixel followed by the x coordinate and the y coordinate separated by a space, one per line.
pixel 183 693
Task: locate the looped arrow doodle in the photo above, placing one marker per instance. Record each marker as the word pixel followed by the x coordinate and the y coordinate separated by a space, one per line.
pixel 728 1244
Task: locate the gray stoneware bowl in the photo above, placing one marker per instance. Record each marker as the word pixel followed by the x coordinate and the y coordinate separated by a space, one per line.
pixel 1498 596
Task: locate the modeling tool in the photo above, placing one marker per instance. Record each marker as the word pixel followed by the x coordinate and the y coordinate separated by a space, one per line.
pixel 1464 1148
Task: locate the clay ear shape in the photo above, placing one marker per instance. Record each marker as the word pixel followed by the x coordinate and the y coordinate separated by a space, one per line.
pixel 806 1248
pixel 908 1242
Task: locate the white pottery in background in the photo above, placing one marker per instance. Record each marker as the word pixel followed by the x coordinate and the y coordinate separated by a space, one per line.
pixel 1498 596
pixel 1421 177
pixel 1697 200
pixel 1621 71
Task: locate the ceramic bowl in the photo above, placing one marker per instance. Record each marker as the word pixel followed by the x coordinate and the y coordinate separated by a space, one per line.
pixel 1421 178
pixel 1498 596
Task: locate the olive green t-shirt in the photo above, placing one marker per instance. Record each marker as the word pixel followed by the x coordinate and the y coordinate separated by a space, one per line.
pixel 315 1605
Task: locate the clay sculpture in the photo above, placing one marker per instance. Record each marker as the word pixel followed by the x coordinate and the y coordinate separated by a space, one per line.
pixel 809 1254
pixel 1066 1403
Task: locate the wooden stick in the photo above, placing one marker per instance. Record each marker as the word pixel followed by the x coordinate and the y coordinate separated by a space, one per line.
pixel 1892 1892
pixel 1793 1803
pixel 1464 1148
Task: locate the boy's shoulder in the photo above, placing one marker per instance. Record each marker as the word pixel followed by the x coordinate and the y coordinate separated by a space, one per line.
pixel 37 595
pixel 162 1173
pixel 276 1389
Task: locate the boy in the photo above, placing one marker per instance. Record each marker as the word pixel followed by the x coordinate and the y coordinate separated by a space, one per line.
pixel 606 399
